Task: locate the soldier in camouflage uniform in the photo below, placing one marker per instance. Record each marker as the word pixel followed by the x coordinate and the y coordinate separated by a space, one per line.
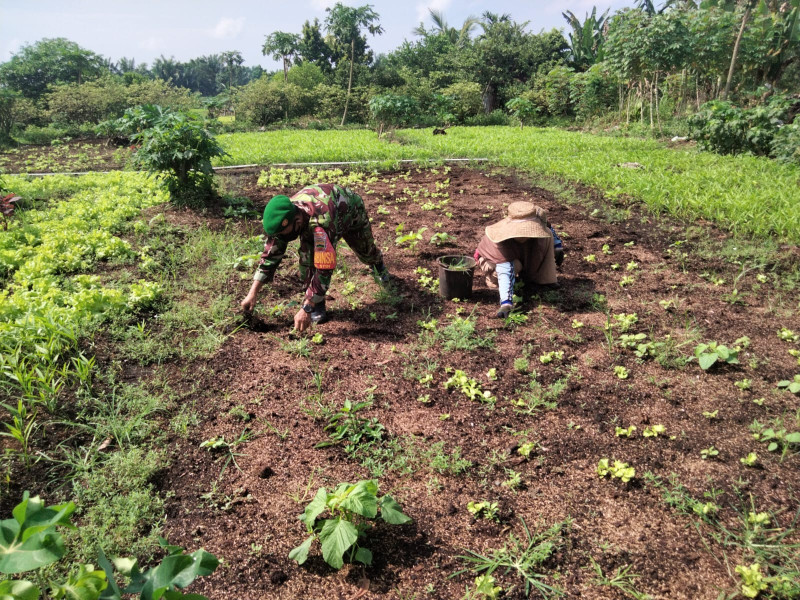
pixel 320 215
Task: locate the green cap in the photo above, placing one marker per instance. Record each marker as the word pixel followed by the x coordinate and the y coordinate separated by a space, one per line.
pixel 278 214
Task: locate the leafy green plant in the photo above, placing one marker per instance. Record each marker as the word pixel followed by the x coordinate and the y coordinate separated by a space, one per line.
pixel 787 335
pixel 30 541
pixel 777 437
pixel 348 428
pixel 484 508
pixel 709 452
pixel 410 239
pixel 654 431
pixel 469 387
pixel 792 385
pixel 709 354
pixel 443 239
pixel 751 460
pixel 352 509
pixel 622 579
pixel 621 372
pixel 549 357
pixel 624 432
pixel 526 448
pixel 617 469
pixel 485 588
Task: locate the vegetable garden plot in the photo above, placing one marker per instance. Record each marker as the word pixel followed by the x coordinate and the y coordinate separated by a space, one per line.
pixel 634 426
pixel 589 439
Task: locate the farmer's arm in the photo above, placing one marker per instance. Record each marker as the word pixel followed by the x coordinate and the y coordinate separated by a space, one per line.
pixel 274 251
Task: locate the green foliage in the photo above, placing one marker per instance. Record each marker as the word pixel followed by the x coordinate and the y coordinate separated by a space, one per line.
pixel 31 540
pixel 469 387
pixel 177 145
pixel 393 110
pixel 352 508
pixel 484 508
pixel 617 469
pixel 709 354
pixel 792 385
pixel 721 127
pixel 524 557
pixel 347 428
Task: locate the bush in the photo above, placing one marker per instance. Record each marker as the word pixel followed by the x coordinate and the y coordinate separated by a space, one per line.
pixel 393 110
pixel 496 117
pixel 107 98
pixel 786 143
pixel 721 127
pixel 594 92
pixel 41 136
pixel 262 102
pixel 176 144
pixel 465 98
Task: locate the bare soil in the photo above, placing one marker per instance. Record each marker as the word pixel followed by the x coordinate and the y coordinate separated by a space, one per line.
pixel 372 350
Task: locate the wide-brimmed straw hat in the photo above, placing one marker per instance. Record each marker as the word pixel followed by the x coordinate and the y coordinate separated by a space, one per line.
pixel 524 220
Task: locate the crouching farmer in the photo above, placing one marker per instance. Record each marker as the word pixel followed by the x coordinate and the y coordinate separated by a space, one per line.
pixel 521 245
pixel 320 215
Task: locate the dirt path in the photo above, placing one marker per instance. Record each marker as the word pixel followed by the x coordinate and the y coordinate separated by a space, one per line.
pixel 373 351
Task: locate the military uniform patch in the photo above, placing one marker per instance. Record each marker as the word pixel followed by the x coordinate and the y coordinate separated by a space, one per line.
pixel 324 252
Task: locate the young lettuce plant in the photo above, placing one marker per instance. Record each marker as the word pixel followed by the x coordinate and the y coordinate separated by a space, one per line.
pixel 352 507
pixel 711 353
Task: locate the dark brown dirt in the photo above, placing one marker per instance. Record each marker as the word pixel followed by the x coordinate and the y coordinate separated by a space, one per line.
pixel 247 516
pixel 372 350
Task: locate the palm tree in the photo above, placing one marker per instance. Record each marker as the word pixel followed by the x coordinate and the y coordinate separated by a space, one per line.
pixel 458 37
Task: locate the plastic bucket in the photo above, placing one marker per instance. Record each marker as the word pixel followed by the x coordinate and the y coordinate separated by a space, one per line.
pixel 455 276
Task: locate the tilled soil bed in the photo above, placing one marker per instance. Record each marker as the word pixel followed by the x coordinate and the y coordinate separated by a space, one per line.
pixel 439 449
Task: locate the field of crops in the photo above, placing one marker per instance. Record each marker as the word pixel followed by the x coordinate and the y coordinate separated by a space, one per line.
pixel 633 434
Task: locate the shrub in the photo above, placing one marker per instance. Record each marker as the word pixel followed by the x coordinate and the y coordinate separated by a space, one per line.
pixel 594 92
pixel 496 117
pixel 465 100
pixel 393 110
pixel 262 102
pixel 724 128
pixel 176 144
pixel 785 145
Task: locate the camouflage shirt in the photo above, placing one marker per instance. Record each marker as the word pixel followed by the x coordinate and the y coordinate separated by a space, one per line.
pixel 327 209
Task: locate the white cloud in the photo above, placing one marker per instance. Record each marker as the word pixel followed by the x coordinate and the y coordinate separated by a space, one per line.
pixel 228 28
pixel 423 15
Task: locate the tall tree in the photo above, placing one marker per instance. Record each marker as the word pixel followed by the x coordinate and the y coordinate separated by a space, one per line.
pixel 49 61
pixel 345 23
pixel 314 48
pixel 232 59
pixel 748 7
pixel 282 46
pixel 168 69
pixel 457 37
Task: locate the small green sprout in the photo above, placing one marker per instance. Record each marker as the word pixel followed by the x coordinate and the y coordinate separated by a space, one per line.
pixel 709 452
pixel 630 244
pixel 526 449
pixel 787 335
pixel 549 357
pixel 590 258
pixel 758 401
pixel 792 385
pixel 444 416
pixel 632 266
pixel 424 398
pixel 615 267
pixel 654 431
pixel 744 384
pixel 514 481
pixel 711 415
pixel 625 431
pixel 750 460
pixel 752 580
pixel 617 469
pixel 626 281
pixel 606 249
pixel 762 278
pixel 317 338
pixel 576 324
pixel 484 508
pixel 486 588
pixel 492 374
pixel 621 372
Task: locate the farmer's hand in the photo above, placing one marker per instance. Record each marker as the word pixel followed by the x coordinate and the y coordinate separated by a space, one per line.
pixel 249 303
pixel 302 320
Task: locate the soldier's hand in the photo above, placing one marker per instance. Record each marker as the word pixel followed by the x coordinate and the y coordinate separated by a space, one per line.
pixel 302 320
pixel 249 303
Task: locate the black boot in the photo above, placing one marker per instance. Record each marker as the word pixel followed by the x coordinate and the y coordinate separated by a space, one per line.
pixel 318 315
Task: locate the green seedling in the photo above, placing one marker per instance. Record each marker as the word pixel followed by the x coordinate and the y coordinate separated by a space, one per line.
pixel 443 239
pixel 606 249
pixel 796 354
pixel 744 384
pixel 792 385
pixel 521 365
pixel 711 415
pixel 758 401
pixel 626 281
pixel 486 589
pixel 667 305
pixel 484 508
pixel 347 428
pixel 709 452
pixel 425 398
pixel 525 449
pixel 444 416
pixel 654 431
pixel 777 438
pixel 615 267
pixel 709 354
pixel 624 321
pixel 469 387
pixel 491 374
pixel 632 266
pixel 630 244
pixel 352 509
pixel 787 335
pixel 317 338
pixel 514 479
pixel 621 372
pixel 590 258
pixel 753 582
pixel 576 324
pixel 618 469
pixel 549 357
pixel 751 460
pixel 625 432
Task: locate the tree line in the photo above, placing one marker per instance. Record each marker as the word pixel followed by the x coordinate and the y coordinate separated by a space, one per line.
pixel 647 63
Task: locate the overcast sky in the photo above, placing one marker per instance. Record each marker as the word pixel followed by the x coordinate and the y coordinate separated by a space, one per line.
pixel 184 29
